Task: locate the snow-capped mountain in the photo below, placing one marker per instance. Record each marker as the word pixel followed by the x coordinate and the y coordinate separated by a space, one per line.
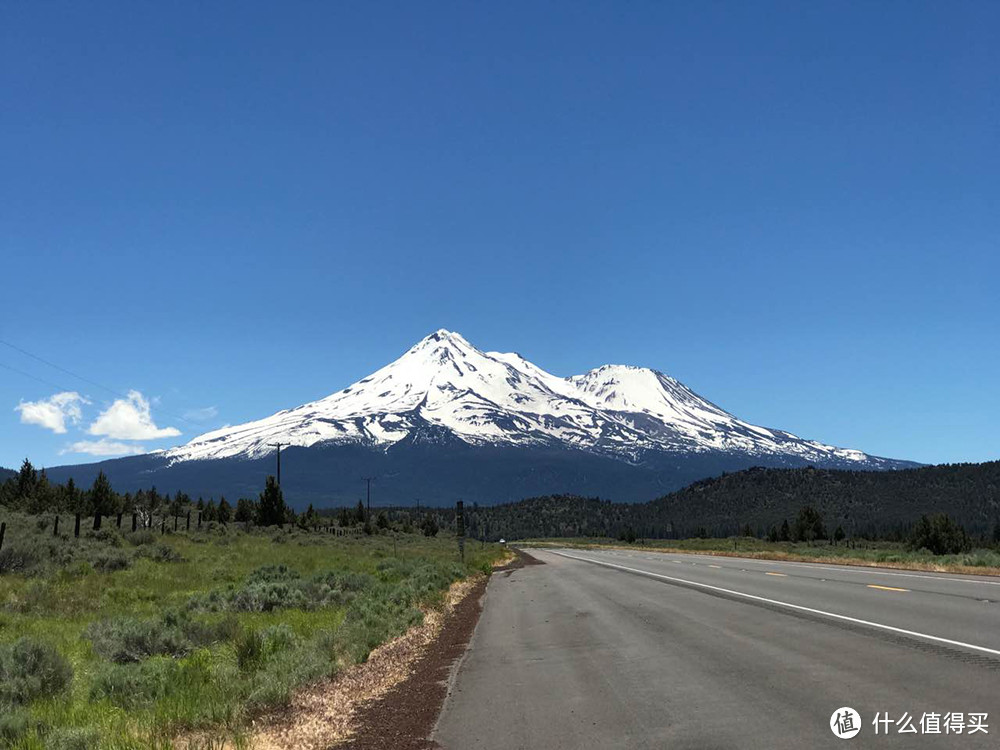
pixel 444 388
pixel 447 421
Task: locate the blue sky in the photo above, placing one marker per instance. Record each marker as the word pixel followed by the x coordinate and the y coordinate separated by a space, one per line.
pixel 218 210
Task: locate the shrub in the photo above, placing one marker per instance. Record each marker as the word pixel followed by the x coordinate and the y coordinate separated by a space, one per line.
pixel 127 639
pixel 108 562
pixel 30 669
pixel 142 538
pixel 272 573
pixel 19 558
pixel 108 535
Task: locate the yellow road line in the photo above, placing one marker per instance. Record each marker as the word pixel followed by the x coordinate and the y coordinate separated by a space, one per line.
pixel 885 588
pixel 769 573
pixel 715 566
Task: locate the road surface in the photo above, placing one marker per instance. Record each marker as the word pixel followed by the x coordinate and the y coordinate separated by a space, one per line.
pixel 634 649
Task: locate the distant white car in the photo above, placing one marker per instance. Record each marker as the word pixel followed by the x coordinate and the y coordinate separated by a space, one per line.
pixel 503 541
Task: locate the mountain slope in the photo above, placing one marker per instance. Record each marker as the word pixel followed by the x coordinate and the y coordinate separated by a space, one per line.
pixel 447 419
pixel 444 382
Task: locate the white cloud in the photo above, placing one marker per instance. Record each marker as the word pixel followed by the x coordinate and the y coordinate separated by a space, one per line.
pixel 103 447
pixel 53 412
pixel 201 415
pixel 129 419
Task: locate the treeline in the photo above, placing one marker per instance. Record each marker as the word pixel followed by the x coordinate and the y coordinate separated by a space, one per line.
pixel 949 506
pixel 30 491
pixel 872 504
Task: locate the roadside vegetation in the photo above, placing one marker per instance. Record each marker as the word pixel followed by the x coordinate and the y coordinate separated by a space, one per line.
pixel 122 639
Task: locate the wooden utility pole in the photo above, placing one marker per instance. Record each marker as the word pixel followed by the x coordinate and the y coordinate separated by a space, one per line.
pixel 368 480
pixel 279 446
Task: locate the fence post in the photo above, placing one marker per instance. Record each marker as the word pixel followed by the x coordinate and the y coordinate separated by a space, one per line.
pixel 175 523
pixel 97 521
pixel 188 527
pixel 135 520
pixel 199 519
pixel 76 526
pixel 163 524
pixel 55 527
pixel 3 531
pixel 118 521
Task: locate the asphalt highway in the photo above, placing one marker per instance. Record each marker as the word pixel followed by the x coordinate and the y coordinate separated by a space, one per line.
pixel 636 649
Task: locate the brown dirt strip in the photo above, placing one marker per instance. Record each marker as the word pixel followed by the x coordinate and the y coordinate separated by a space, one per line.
pixel 405 716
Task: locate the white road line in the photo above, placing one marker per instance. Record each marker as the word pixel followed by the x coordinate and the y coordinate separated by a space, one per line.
pixel 857 569
pixel 798 607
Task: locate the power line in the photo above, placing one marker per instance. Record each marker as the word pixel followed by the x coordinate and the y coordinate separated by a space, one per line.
pixel 94 383
pixel 34 377
pixel 26 353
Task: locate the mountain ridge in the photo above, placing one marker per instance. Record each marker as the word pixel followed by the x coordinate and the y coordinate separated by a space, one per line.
pixel 495 397
pixel 448 420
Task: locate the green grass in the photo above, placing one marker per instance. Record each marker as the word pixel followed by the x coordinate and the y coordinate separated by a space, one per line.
pixel 859 552
pixel 196 632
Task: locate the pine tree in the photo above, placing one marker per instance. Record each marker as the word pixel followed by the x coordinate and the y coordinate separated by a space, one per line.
pixel 27 479
pixel 225 512
pixel 785 534
pixel 359 514
pixel 272 509
pixel 73 498
pixel 245 510
pixel 102 498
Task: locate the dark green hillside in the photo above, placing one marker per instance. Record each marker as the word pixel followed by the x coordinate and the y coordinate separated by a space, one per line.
pixel 860 501
pixel 863 503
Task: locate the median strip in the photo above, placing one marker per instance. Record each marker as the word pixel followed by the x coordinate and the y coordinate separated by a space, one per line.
pixel 789 605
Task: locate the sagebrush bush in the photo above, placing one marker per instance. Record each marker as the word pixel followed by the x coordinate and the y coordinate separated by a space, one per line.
pixel 128 639
pixel 112 560
pixel 276 587
pixel 30 669
pixel 19 558
pixel 108 535
pixel 272 573
pixel 141 538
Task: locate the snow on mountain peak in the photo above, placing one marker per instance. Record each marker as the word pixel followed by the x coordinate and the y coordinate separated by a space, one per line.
pixel 445 383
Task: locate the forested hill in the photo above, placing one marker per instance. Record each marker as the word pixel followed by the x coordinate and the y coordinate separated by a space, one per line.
pixel 861 502
pixel 856 500
pixel 6 473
